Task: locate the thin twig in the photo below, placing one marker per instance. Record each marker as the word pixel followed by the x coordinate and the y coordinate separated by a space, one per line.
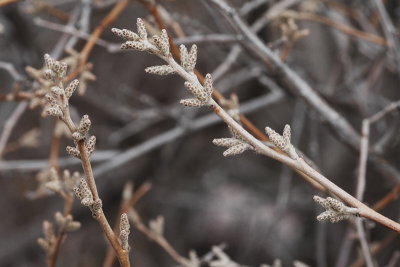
pixel 339 124
pixel 334 24
pixel 126 204
pixel 390 32
pixel 10 124
pixel 296 163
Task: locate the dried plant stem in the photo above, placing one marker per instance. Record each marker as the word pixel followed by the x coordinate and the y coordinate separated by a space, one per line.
pixel 111 16
pixel 53 255
pixel 54 148
pixel 339 26
pixel 390 197
pixel 341 127
pixel 122 254
pixel 159 239
pixel 10 124
pixel 152 8
pixel 299 164
pixel 124 208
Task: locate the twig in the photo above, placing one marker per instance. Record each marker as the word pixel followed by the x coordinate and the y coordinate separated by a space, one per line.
pixel 390 32
pixel 162 51
pixel 157 238
pixel 376 249
pixel 39 164
pixel 11 70
pixel 110 18
pixel 390 197
pixel 58 106
pixel 339 124
pixel 126 204
pixel 341 27
pixel 218 96
pixel 10 124
pixel 361 182
pixel 52 257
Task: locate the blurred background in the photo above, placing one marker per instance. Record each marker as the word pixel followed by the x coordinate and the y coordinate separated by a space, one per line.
pixel 254 207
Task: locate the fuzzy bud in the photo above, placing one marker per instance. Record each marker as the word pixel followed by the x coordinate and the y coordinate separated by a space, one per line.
pixel 237 149
pixel 133 45
pixel 71 88
pixel 73 151
pixel 54 110
pixel 162 42
pixel 90 144
pixel 157 225
pixel 192 58
pixel 191 102
pixel 197 91
pixel 83 193
pixel 57 90
pixel 184 56
pixel 226 142
pixel 208 84
pixel 141 29
pixel 160 70
pixel 84 125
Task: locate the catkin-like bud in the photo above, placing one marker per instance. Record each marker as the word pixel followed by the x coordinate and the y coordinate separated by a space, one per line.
pixel 160 70
pixel 191 102
pixel 225 142
pixel 73 151
pixel 126 34
pixel 141 29
pixel 54 186
pixel 184 56
pixel 208 84
pixel 157 225
pixel 237 149
pixel 287 134
pixel 77 136
pixel 276 139
pixel 335 204
pixel 57 90
pixel 84 125
pixel 54 110
pixel 83 193
pixel 124 231
pixel 133 45
pixel 72 226
pixel 48 61
pixel 197 91
pixel 49 74
pixel 71 88
pixel 192 58
pixel 90 144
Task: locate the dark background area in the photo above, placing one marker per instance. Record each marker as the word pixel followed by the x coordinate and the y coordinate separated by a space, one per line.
pixel 254 205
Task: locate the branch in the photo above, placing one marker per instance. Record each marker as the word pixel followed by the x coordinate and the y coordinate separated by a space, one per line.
pixel 202 93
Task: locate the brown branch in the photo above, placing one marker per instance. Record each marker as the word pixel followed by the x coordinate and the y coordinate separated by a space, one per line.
pixel 339 26
pixel 390 197
pixel 107 20
pixel 157 238
pixel 126 204
pixel 292 159
pixel 62 234
pixel 7 2
pixel 54 147
pixel 152 8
